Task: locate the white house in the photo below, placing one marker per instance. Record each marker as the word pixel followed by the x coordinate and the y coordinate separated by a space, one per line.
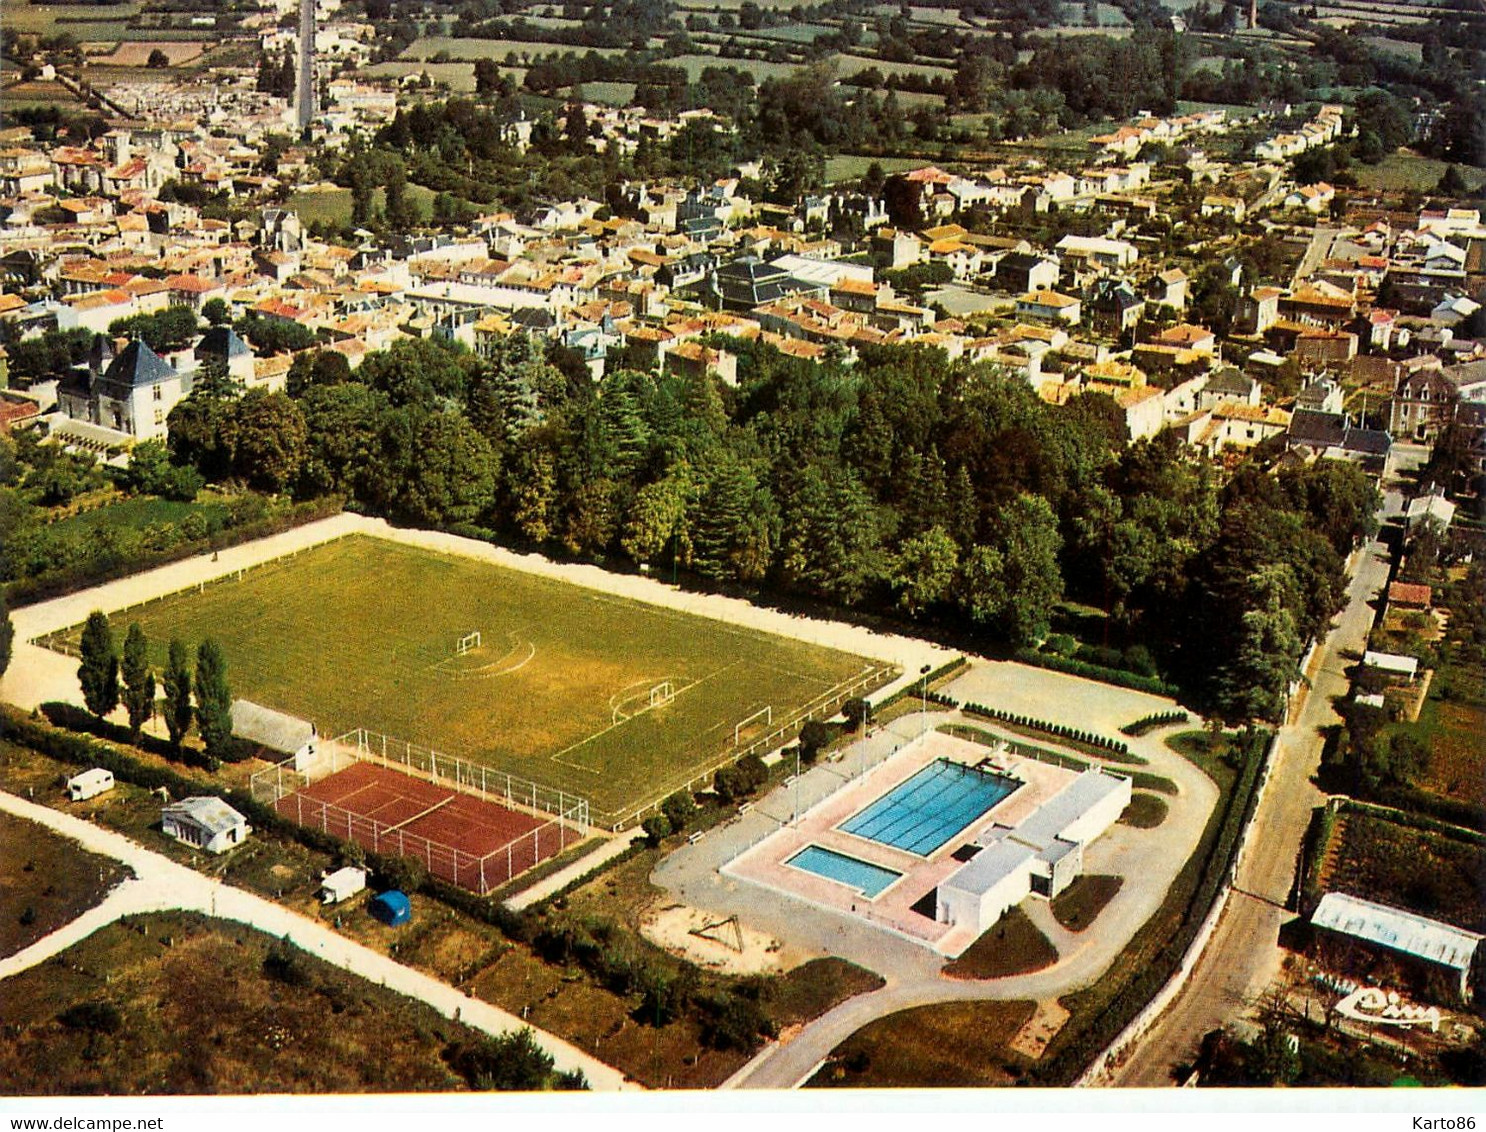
pixel 133 394
pixel 89 784
pixel 205 822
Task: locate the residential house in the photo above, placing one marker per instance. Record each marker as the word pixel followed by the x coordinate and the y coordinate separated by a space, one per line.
pixel 206 822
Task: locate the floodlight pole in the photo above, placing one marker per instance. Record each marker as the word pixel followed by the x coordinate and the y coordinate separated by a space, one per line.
pixel 923 703
pixel 796 820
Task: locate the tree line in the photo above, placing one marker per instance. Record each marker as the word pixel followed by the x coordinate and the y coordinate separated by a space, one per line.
pixel 907 485
pixel 109 680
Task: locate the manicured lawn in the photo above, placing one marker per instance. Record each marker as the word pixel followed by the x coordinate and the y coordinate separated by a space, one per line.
pixel 1014 946
pixel 852 167
pixel 192 1012
pixel 957 1044
pixel 1079 905
pixel 134 513
pixel 46 881
pixel 362 633
pixel 1145 811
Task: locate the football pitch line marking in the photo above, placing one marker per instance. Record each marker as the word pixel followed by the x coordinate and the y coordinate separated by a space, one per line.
pixel 558 758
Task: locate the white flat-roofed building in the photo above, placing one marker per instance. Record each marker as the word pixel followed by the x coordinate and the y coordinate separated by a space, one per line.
pixel 1392 663
pixel 1419 937
pixel 1043 854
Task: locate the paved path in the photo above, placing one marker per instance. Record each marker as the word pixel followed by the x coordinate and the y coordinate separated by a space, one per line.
pixel 912 971
pixel 37 675
pixel 1244 955
pixel 1315 253
pixel 161 884
pixel 565 876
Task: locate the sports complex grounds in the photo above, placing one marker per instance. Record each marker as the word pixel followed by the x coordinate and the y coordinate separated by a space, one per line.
pixel 602 697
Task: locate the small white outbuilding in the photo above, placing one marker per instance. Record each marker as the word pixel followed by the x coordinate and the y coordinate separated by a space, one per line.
pixel 205 822
pixel 89 784
pixel 342 884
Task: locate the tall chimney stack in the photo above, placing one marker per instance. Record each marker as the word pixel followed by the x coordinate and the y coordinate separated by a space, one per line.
pixel 304 92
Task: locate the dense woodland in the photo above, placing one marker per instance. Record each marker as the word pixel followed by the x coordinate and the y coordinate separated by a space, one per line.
pixel 942 493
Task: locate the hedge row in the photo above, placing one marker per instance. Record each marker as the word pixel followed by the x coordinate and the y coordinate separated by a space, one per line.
pixel 938 674
pixel 1154 720
pixel 1089 739
pixel 54 583
pixel 1117 676
pixel 1203 877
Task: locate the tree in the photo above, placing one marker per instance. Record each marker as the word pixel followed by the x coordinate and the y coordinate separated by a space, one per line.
pixel 7 634
pixel 99 671
pixel 177 681
pixel 157 60
pixel 1031 582
pixel 657 828
pixel 216 312
pixel 139 680
pixel 679 809
pixel 213 700
pixel 814 736
pixel 925 570
pixel 272 440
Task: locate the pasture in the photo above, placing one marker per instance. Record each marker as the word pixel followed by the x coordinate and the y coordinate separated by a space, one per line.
pixel 595 695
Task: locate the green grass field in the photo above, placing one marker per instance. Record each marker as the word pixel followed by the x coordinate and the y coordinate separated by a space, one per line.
pixel 362 633
pixel 1406 170
pixel 135 514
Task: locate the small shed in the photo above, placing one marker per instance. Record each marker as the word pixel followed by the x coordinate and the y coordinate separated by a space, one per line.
pixel 392 907
pixel 342 884
pixel 89 784
pixel 1431 943
pixel 206 822
pixel 275 731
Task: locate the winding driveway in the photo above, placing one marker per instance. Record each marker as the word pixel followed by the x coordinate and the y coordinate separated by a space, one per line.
pixel 162 885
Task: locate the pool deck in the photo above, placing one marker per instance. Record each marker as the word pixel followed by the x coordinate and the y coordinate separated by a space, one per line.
pixel 892 909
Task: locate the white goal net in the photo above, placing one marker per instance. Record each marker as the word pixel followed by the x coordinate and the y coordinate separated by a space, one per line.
pixel 467 643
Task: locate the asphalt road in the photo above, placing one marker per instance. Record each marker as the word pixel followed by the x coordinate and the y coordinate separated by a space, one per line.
pixel 1244 954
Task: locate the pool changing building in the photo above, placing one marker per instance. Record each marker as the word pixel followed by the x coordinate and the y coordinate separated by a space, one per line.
pixel 1043 854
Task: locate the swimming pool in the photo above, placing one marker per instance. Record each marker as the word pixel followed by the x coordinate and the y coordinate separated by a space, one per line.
pixel 922 813
pixel 865 877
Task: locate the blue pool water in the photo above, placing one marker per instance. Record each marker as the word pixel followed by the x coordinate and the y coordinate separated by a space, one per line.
pixel 924 812
pixel 867 878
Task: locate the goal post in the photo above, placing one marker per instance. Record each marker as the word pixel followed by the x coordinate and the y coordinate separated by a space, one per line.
pixel 467 643
pixel 766 713
pixel 662 693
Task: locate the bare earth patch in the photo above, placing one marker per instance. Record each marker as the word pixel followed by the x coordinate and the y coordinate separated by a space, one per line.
pixel 672 927
pixel 46 881
pixel 1040 1029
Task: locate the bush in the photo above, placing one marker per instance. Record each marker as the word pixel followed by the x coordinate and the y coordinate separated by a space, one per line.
pixel 858 712
pixel 679 810
pixel 657 828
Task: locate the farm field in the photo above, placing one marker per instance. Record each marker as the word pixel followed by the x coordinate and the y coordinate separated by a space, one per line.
pixel 334 205
pixel 362 633
pixel 694 65
pixel 45 881
pixel 852 167
pixel 1404 170
pixel 458 77
pixel 190 1008
pixel 468 50
pixel 1378 858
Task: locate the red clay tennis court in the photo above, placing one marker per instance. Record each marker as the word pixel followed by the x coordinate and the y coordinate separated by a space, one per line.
pixel 474 843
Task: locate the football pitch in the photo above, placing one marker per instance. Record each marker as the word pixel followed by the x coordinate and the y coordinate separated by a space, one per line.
pixel 596 695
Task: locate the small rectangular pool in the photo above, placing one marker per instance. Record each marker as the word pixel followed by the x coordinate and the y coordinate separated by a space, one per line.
pixel 925 811
pixel 865 877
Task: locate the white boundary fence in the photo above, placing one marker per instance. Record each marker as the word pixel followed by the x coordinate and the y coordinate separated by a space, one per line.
pixel 57 640
pixel 822 706
pixel 567 825
pixel 463 775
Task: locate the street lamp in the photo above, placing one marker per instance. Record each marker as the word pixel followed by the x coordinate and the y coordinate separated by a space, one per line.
pixel 923 703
